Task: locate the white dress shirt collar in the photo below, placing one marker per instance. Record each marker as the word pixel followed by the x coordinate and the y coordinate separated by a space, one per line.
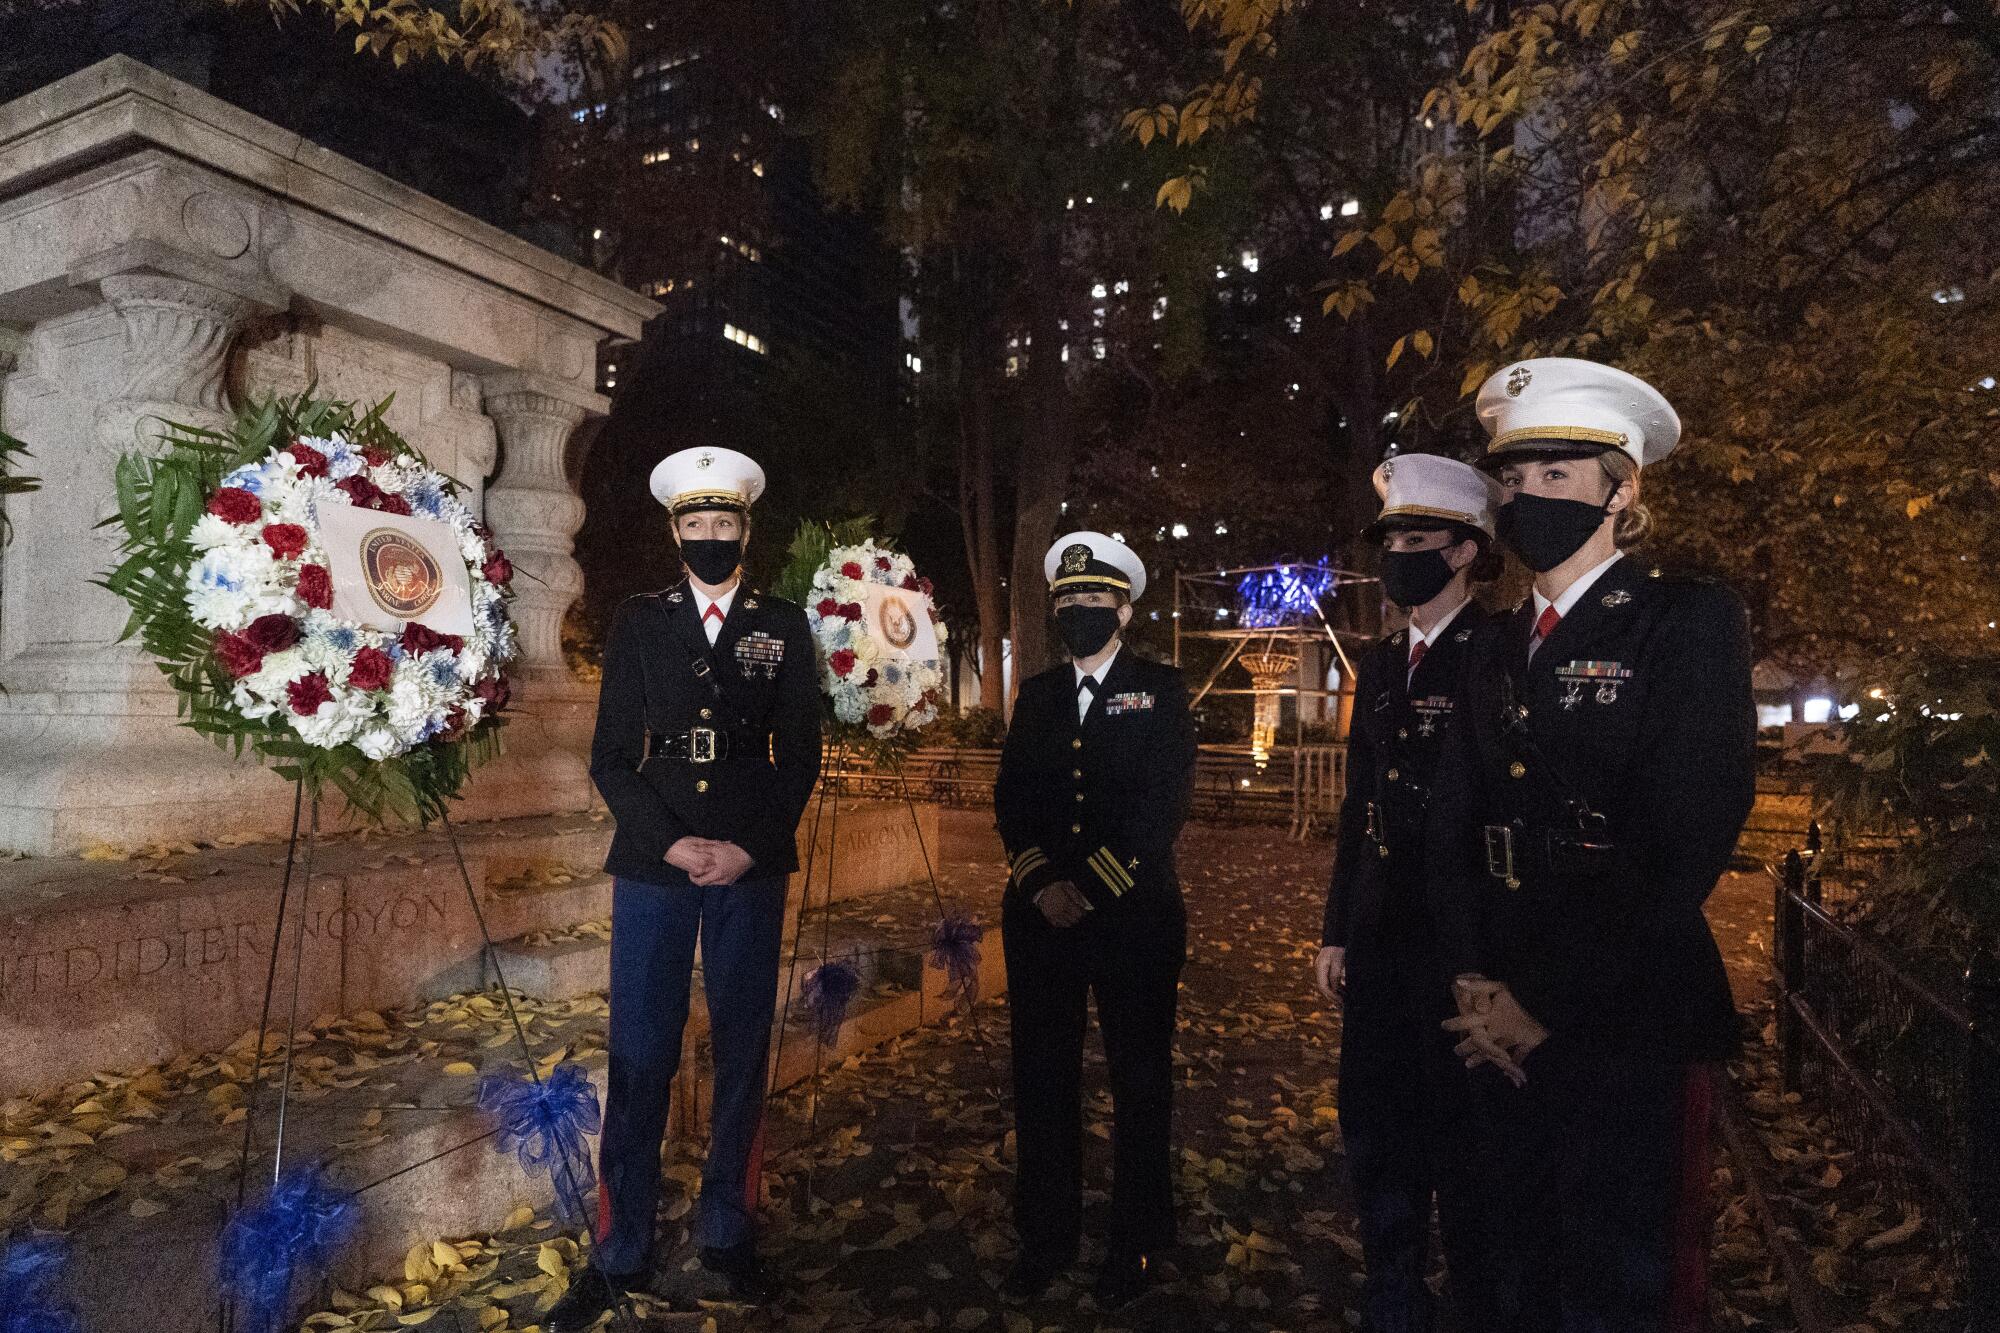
pixel 1575 591
pixel 1084 701
pixel 702 601
pixel 1436 631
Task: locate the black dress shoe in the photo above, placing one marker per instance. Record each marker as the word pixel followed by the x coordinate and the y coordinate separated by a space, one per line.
pixel 591 1294
pixel 1030 1277
pixel 1123 1279
pixel 739 1266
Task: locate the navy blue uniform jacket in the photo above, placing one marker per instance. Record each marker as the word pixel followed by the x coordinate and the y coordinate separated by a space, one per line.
pixel 763 663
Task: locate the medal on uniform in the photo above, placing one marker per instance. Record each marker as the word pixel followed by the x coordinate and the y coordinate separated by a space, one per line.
pixel 1608 675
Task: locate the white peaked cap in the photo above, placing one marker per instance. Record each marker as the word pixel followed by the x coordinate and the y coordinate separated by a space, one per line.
pixel 1561 404
pixel 707 478
pixel 1428 490
pixel 1093 562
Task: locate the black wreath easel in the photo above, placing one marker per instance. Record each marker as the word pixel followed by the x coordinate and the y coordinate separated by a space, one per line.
pixel 307 804
pixel 830 781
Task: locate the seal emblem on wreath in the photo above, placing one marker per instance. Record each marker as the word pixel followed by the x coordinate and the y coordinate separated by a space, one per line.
pixel 402 576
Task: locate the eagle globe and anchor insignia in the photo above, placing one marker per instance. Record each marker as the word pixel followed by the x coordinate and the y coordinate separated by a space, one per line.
pixel 402 577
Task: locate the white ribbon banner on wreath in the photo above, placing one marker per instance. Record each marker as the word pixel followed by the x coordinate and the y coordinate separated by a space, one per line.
pixel 389 570
pixel 900 623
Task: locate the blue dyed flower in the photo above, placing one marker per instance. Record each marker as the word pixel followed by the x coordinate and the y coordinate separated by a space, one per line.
pixel 211 574
pixel 343 638
pixel 444 674
pixel 425 496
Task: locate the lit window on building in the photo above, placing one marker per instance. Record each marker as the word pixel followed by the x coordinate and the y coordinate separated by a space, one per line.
pixel 757 168
pixel 1221 528
pixel 1222 273
pixel 1351 208
pixel 743 338
pixel 1180 529
pixel 657 155
pixel 694 145
pixel 1098 350
pixel 659 288
pixel 1294 322
pixel 1122 287
pixel 1249 261
pixel 1013 366
pixel 1160 308
pixel 914 362
pixel 1098 291
pixel 1326 212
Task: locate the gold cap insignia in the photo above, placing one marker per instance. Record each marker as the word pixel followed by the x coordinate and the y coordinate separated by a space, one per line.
pixel 704 460
pixel 1074 557
pixel 1518 380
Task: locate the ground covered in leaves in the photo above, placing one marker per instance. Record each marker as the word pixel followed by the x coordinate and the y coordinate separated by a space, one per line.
pixel 886 1195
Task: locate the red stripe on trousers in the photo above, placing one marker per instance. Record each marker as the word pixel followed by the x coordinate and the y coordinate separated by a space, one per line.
pixel 1687 1292
pixel 753 1170
pixel 602 1232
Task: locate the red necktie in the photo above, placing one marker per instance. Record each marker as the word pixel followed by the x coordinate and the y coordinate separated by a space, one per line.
pixel 714 613
pixel 1545 625
pixel 1417 654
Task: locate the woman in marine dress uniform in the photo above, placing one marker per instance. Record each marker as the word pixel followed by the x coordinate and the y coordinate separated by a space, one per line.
pixel 1405 1101
pixel 707 748
pixel 1607 766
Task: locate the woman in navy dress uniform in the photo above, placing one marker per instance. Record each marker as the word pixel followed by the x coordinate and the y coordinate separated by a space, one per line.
pixel 1092 791
pixel 707 749
pixel 1608 766
pixel 1405 1100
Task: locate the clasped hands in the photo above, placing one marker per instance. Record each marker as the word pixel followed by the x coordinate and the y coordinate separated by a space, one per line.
pixel 1493 1027
pixel 1062 904
pixel 709 861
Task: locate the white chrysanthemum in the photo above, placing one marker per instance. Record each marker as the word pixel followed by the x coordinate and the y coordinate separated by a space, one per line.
pixel 249 704
pixel 278 671
pixel 337 721
pixel 209 532
pixel 379 743
pixel 408 708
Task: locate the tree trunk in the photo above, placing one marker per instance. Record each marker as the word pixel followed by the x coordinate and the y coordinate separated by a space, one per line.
pixel 975 491
pixel 1041 482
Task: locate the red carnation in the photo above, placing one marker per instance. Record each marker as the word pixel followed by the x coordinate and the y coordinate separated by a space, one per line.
pixel 307 693
pixel 924 587
pixel 363 492
pixel 851 611
pixel 315 586
pixel 851 570
pixel 273 633
pixel 869 682
pixel 828 608
pixel 312 462
pixel 286 540
pixel 392 503
pixel 376 457
pixel 841 660
pixel 419 639
pixel 371 671
pixel 455 723
pixel 881 562
pixel 498 568
pixel 235 505
pixel 239 656
pixel 495 691
pixel 880 715
pixel 910 582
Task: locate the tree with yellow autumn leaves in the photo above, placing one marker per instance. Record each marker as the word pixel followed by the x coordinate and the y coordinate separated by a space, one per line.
pixel 1775 212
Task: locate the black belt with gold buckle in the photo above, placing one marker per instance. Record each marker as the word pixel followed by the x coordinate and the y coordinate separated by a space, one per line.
pixel 1512 851
pixel 700 745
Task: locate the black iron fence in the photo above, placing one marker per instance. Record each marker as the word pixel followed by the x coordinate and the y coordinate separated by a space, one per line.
pixel 1909 1072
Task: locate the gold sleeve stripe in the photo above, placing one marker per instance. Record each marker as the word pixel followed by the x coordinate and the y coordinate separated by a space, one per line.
pixel 1030 858
pixel 1118 869
pixel 1110 872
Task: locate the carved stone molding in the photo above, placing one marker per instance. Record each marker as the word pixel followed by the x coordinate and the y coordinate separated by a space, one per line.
pixel 535 512
pixel 177 340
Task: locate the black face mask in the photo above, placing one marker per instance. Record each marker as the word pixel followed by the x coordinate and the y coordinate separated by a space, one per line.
pixel 710 560
pixel 1086 629
pixel 1412 578
pixel 1544 531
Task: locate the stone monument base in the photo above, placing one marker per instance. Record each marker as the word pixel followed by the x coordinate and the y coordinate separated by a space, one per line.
pixel 110 963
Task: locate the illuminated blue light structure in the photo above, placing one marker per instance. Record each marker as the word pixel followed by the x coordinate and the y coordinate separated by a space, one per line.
pixel 1284 595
